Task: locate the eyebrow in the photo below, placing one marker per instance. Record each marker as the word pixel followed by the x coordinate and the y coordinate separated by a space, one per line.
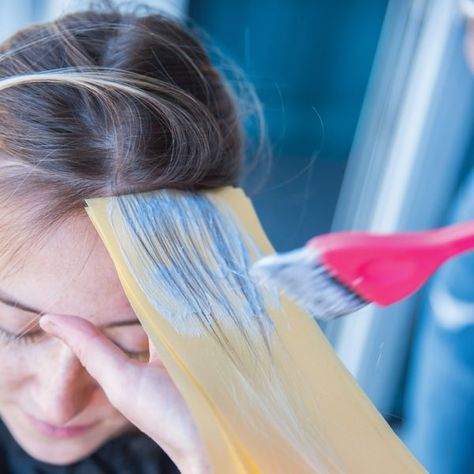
pixel 9 301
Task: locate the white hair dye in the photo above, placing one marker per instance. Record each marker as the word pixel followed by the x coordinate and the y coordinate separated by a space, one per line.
pixel 195 261
pixel 191 257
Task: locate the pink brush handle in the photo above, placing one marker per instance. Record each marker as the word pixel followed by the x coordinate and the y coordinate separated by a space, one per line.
pixel 385 268
pixel 454 239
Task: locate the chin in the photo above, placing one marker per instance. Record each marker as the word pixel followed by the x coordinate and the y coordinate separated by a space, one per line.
pixel 59 454
pixel 63 451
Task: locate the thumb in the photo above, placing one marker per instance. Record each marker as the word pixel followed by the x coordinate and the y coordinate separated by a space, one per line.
pixel 105 362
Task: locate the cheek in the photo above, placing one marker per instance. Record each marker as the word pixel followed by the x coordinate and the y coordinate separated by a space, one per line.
pixel 17 370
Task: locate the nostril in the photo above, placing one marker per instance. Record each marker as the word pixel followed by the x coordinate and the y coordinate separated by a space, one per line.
pixel 59 407
pixel 65 389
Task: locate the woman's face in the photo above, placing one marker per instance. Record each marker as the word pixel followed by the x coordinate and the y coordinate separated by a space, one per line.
pixel 52 406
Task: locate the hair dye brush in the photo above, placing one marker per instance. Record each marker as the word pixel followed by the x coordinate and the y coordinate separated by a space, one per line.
pixel 337 274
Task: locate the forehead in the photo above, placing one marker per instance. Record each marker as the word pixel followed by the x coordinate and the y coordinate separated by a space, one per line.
pixel 72 273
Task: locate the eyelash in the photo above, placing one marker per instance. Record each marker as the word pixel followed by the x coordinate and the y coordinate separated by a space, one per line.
pixel 25 339
pixel 137 355
pixel 33 336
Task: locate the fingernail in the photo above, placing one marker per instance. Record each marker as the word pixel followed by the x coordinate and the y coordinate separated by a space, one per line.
pixel 47 324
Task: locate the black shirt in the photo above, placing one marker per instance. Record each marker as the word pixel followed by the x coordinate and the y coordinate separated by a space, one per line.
pixel 133 453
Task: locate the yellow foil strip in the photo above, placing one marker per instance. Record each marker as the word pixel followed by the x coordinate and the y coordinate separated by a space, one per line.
pixel 314 418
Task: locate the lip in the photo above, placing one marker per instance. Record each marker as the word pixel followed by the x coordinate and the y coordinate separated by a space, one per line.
pixel 60 431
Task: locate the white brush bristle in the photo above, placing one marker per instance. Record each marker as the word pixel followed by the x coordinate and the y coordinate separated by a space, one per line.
pixel 305 279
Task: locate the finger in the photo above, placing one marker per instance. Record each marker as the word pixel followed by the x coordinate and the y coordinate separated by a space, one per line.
pixel 106 363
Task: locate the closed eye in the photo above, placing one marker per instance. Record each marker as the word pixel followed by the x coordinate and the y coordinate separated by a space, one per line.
pixel 27 337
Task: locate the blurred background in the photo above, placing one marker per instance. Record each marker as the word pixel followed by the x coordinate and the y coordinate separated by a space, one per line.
pixel 369 110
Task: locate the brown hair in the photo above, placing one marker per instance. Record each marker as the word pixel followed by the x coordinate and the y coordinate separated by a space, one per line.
pixel 106 102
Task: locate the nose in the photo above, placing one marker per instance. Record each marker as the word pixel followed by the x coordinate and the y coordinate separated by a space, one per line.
pixel 64 387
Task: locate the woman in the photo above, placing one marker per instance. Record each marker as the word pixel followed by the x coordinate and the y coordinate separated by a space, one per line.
pixel 75 388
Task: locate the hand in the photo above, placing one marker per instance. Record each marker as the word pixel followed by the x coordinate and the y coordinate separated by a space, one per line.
pixel 142 391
